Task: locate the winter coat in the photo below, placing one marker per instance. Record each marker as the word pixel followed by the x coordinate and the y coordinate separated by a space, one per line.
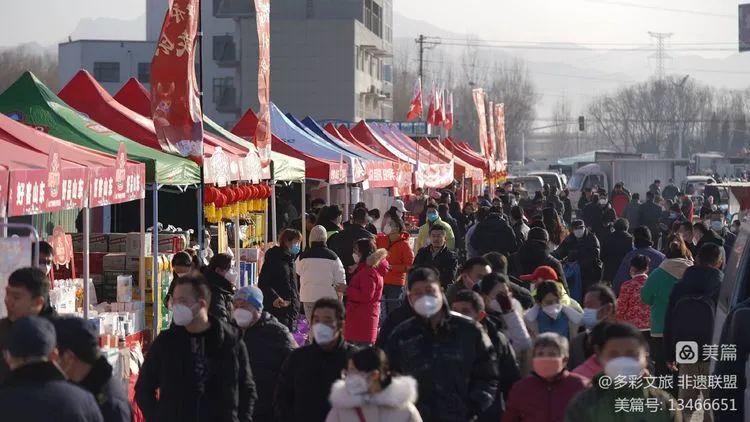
pixel 733 333
pixel 363 299
pixel 454 365
pixel 589 368
pixel 167 390
pixel 522 231
pixel 631 214
pixel 658 287
pixel 306 379
pixel 277 279
pixel 38 392
pixel 513 326
pixel 222 292
pixel 494 235
pixel 5 326
pixel 649 215
pixel 614 249
pixel 507 369
pixel 343 242
pixel 395 403
pixel 423 238
pixel 670 191
pixel 596 404
pixel 698 281
pixel 534 399
pixel 532 255
pixel 592 215
pixel 319 270
pixel 268 344
pixel 567 214
pixel 108 391
pixel 393 320
pixel 630 308
pixel 400 257
pixel 470 251
pixel 445 261
pixel 729 239
pixel 585 251
pixel 619 203
pixel 623 272
pixel 534 314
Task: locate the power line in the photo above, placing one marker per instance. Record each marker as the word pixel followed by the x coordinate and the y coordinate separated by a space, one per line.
pixel 663 9
pixel 575 48
pixel 567 43
pixel 661 54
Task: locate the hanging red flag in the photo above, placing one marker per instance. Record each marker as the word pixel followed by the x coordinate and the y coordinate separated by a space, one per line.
pixel 439 107
pixel 491 131
pixel 431 109
pixel 415 108
pixel 263 130
pixel 449 113
pixel 479 98
pixel 175 102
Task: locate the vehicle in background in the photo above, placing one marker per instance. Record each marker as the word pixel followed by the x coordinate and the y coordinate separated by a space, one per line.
pixel 636 174
pixel 530 184
pixel 699 184
pixel 550 178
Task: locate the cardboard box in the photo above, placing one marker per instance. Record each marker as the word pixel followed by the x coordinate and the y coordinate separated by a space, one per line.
pixel 172 242
pixel 98 242
pixel 96 262
pixel 118 242
pixel 114 262
pixel 133 244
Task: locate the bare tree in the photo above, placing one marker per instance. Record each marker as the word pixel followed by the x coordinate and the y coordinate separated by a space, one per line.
pixel 15 61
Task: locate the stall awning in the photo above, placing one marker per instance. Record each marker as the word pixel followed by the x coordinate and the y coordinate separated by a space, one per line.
pixel 461 167
pixel 29 101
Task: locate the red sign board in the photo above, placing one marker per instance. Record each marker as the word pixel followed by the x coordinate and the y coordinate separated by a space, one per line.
pixel 62 247
pixel 114 185
pixel 263 130
pixel 175 104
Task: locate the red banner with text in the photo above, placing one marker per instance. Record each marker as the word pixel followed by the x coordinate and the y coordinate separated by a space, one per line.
pixel 479 98
pixel 502 154
pixel 263 130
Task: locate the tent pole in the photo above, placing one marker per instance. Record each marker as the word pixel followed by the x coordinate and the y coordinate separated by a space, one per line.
pixel 155 267
pixel 142 259
pixel 303 214
pixel 86 257
pixel 273 214
pixel 328 194
pixel 237 244
pixel 199 227
pixel 346 201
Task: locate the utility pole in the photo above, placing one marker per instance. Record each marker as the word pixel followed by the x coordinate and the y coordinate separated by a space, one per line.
pixel 420 41
pixel 661 52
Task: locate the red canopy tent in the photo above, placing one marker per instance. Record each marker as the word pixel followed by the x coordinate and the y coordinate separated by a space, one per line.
pixel 134 96
pixel 315 168
pixel 467 156
pixel 461 167
pixel 85 95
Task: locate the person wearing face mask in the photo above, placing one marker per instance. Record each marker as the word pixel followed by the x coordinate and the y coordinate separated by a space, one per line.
pixel 450 356
pixel 83 364
pixel 592 213
pixel 630 309
pixel 363 293
pixel 433 220
pixel 438 255
pixel 549 315
pixel 27 294
pixel 46 259
pixel 396 210
pixel 343 242
pixel 319 270
pixel 619 199
pixel 703 235
pixel 370 393
pixel 471 304
pixel 623 353
pixel 278 280
pixel 198 368
pixel 222 279
pixel 182 265
pixel 309 372
pixel 582 246
pixel 643 246
pixel 719 227
pixel 544 395
pixel 471 274
pixel 600 306
pixel 400 257
pixel 268 344
pixel 404 311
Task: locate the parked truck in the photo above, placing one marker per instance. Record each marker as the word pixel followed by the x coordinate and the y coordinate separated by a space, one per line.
pixel 636 174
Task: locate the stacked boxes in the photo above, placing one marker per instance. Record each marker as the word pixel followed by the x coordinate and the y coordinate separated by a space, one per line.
pixel 161 287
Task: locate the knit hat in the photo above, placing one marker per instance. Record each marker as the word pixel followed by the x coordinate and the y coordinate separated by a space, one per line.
pixel 251 295
pixel 31 337
pixel 78 336
pixel 538 234
pixel 642 237
pixel 318 234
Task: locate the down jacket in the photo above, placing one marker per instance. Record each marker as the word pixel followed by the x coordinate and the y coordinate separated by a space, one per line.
pixel 536 399
pixel 278 279
pixel 400 256
pixel 394 404
pixel 363 299
pixel 319 270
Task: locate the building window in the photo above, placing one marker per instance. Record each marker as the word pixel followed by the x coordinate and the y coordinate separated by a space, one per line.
pixel 224 94
pixel 368 14
pixel 388 73
pixel 233 9
pixel 107 71
pixel 224 48
pixel 144 73
pixel 374 17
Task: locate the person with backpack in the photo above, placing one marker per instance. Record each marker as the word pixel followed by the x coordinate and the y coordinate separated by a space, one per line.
pixel 690 316
pixel 643 246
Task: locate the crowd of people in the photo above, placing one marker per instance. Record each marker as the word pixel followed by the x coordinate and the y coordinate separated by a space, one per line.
pixel 507 308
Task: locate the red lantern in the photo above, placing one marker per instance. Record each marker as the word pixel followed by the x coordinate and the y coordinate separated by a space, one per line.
pixel 220 200
pixel 208 197
pixel 268 190
pixel 237 193
pixel 230 195
pixel 248 192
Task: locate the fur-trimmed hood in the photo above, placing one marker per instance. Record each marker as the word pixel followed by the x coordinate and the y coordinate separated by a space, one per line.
pixel 374 259
pixel 676 267
pixel 399 394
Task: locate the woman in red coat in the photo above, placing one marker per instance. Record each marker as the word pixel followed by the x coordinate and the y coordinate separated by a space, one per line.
pixel 364 292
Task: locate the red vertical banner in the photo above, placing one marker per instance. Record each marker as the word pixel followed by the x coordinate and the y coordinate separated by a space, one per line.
pixel 502 154
pixel 449 113
pixel 175 101
pixel 491 131
pixel 479 97
pixel 415 107
pixel 263 130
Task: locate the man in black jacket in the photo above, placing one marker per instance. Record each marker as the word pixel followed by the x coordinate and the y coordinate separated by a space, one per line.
pixel 472 272
pixel 199 365
pixel 593 213
pixel 471 304
pixel 83 364
pixel 449 355
pixel 309 372
pixel 494 235
pixel 404 311
pixel 534 254
pixel 615 247
pixel 649 215
pixel 582 247
pixel 268 344
pixel 438 256
pixel 35 389
pixel 27 294
pixel 343 242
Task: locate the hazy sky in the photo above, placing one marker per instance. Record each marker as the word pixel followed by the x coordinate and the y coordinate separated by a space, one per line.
pixel 582 21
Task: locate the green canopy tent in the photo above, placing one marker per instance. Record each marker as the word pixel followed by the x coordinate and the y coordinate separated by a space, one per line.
pixel 29 101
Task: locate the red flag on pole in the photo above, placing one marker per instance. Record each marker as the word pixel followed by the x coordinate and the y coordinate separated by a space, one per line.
pixel 479 98
pixel 431 109
pixel 175 102
pixel 415 108
pixel 263 130
pixel 439 108
pixel 449 113
pixel 491 131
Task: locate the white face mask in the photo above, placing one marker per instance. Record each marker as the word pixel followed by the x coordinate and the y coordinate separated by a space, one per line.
pixel 623 366
pixel 427 306
pixel 602 202
pixel 590 318
pixel 717 225
pixel 182 315
pixel 552 311
pixel 323 334
pixel 356 384
pixel 579 233
pixel 243 317
pixel 232 276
